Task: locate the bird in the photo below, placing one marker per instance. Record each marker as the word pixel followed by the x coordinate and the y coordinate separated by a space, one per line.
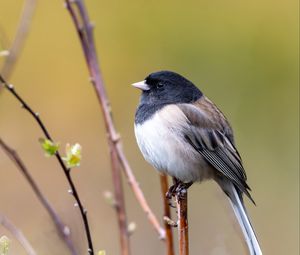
pixel 183 134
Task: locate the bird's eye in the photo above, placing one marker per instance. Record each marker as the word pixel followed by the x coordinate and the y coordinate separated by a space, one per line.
pixel 159 85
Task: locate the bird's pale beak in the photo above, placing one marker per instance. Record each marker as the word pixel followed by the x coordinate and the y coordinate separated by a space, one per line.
pixel 141 85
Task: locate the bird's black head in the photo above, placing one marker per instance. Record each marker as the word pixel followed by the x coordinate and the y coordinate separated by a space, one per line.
pixel 166 87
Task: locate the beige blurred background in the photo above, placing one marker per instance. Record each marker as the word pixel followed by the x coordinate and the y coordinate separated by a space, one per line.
pixel 242 54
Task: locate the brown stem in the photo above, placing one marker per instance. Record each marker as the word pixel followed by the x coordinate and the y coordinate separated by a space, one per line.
pixel 5 222
pixel 139 193
pixel 119 203
pixel 60 226
pixel 67 171
pixel 183 227
pixel 84 30
pixel 167 215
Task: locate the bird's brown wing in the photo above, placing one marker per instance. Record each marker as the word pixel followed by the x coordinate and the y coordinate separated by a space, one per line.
pixel 211 135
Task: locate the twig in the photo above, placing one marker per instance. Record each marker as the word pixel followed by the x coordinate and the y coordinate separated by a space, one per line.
pixel 139 193
pixel 5 222
pixel 18 43
pixel 120 204
pixel 83 27
pixel 63 230
pixel 167 215
pixel 183 227
pixel 67 171
pixel 85 32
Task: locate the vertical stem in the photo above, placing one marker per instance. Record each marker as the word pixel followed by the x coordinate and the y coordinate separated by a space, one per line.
pixel 182 208
pixel 120 204
pixel 167 213
pixel 84 29
pixel 82 210
pixel 138 192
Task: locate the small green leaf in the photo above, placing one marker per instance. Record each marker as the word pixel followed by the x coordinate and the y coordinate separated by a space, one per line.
pixel 4 245
pixel 49 147
pixel 73 155
pixel 101 253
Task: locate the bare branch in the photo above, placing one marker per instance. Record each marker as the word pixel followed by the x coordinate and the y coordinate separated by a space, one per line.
pixel 21 34
pixel 62 229
pixel 67 171
pixel 84 30
pixel 167 215
pixel 183 227
pixel 139 193
pixel 5 222
pixel 120 204
pixel 81 22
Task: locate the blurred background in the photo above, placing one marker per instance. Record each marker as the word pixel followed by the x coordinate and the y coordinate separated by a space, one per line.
pixel 242 54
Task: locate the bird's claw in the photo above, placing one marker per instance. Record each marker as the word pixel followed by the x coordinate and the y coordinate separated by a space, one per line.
pixel 172 191
pixel 181 192
pixel 179 189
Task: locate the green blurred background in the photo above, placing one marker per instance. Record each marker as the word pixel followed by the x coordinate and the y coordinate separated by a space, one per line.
pixel 242 54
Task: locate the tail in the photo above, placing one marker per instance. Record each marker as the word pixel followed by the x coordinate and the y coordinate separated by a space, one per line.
pixel 242 217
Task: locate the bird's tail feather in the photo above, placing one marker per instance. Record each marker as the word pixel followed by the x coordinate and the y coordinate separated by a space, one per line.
pixel 242 217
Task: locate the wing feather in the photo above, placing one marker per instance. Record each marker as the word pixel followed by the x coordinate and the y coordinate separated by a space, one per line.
pixel 211 135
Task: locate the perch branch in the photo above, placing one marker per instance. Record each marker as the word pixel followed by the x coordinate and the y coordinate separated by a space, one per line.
pixel 5 222
pixel 167 215
pixel 183 227
pixel 67 171
pixel 61 227
pixel 84 29
pixel 21 34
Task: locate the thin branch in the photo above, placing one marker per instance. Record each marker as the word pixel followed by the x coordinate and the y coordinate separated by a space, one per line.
pixel 67 171
pixel 139 193
pixel 5 222
pixel 21 34
pixel 63 230
pixel 84 29
pixel 120 204
pixel 167 215
pixel 86 38
pixel 183 227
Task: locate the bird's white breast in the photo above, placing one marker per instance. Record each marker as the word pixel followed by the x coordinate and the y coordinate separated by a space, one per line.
pixel 162 144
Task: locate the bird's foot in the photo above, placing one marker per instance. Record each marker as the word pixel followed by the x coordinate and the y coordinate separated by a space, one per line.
pixel 178 188
pixel 181 189
pixel 172 191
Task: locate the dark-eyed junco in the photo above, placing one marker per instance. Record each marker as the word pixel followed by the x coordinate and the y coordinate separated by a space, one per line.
pixel 183 134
